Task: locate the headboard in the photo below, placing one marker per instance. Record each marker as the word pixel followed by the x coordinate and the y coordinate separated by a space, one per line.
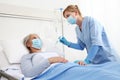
pixel 15 21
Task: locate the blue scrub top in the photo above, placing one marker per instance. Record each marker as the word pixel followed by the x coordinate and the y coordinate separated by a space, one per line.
pixel 93 33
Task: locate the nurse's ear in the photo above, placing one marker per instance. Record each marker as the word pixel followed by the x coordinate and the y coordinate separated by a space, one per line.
pixel 76 13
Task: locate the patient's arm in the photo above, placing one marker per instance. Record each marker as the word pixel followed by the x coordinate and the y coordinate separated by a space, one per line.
pixel 29 69
pixel 57 60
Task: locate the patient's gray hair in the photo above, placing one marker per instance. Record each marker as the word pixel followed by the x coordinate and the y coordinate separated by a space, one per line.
pixel 26 40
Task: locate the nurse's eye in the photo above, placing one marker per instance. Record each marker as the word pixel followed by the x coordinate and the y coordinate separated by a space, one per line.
pixel 67 16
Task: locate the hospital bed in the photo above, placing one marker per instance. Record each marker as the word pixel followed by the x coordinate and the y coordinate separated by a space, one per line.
pixel 10 60
pixel 9 77
pixel 17 22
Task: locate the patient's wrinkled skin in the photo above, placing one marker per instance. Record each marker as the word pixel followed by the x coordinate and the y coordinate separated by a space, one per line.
pixel 28 43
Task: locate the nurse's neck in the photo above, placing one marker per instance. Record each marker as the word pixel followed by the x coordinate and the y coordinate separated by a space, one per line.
pixel 79 22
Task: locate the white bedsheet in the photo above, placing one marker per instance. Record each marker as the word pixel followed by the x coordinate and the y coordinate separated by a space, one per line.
pixel 15 71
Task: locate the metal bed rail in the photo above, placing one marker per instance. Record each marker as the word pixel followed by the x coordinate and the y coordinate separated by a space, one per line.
pixel 7 76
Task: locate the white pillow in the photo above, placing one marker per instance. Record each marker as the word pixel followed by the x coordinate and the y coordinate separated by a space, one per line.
pixel 49 45
pixel 0 48
pixel 14 49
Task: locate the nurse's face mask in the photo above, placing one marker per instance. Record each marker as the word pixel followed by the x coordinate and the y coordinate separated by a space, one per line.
pixel 71 20
pixel 37 43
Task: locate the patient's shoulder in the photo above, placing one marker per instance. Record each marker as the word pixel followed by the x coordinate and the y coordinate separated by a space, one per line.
pixel 42 55
pixel 27 56
pixel 49 54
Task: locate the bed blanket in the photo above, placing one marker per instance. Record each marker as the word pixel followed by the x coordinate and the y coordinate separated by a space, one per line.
pixel 73 71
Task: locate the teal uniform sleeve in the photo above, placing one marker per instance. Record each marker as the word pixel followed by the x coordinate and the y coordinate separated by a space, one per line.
pixel 79 45
pixel 76 46
pixel 92 53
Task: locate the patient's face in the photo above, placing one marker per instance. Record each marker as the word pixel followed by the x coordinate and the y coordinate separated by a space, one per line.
pixel 31 37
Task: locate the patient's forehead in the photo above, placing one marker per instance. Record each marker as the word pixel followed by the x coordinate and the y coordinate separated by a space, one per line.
pixel 33 36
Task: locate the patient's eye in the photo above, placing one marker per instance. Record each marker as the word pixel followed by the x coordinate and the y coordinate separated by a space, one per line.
pixel 34 37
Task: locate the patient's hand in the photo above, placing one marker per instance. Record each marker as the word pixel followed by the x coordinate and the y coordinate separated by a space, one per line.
pixel 57 60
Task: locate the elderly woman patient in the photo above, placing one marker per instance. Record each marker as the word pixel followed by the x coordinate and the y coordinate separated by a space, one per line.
pixel 37 61
pixel 50 66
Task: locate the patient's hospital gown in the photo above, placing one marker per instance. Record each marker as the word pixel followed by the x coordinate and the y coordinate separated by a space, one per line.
pixel 36 63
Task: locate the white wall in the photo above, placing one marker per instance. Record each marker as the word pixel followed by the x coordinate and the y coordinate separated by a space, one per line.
pixel 42 4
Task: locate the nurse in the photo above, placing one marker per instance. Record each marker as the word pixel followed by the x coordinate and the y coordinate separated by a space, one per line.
pixel 90 36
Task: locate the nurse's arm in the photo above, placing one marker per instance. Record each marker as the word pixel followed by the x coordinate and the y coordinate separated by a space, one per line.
pixel 76 46
pixel 92 53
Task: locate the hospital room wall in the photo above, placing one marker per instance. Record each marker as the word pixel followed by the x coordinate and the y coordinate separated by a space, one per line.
pixel 106 11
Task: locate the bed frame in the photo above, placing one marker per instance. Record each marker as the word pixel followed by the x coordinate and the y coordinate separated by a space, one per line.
pixel 9 77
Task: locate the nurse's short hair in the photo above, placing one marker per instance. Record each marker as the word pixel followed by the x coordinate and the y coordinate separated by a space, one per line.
pixel 72 8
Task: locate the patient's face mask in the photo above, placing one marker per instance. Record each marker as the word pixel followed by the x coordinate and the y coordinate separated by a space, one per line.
pixel 71 20
pixel 37 43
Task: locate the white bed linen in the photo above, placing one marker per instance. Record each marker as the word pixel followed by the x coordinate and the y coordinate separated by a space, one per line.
pixel 15 71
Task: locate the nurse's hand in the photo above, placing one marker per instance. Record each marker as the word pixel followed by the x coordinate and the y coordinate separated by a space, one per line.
pixel 64 41
pixel 86 61
pixel 82 63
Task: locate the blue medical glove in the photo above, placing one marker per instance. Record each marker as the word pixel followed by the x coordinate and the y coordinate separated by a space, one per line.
pixel 86 61
pixel 64 41
pixel 76 61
